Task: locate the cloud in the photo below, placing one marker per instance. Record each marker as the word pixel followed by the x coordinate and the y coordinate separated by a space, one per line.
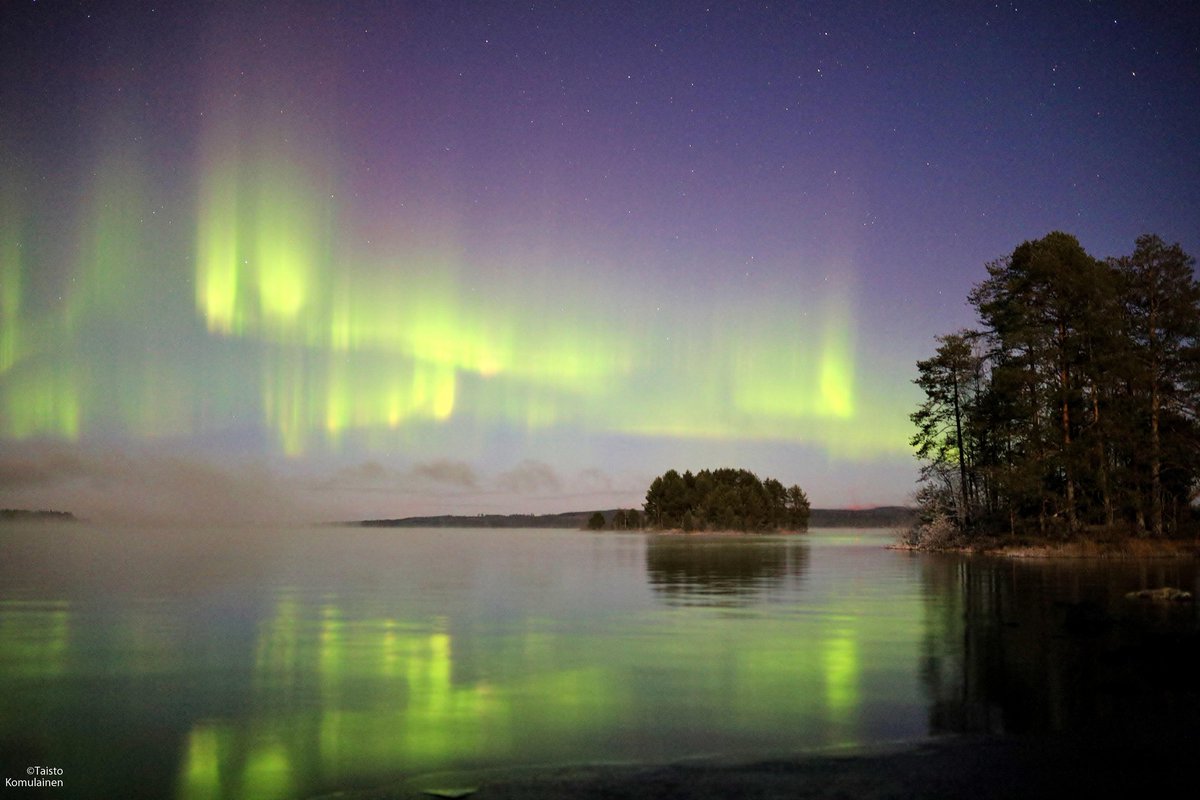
pixel 595 480
pixel 33 468
pixel 152 485
pixel 366 472
pixel 141 486
pixel 458 474
pixel 529 477
pixel 367 476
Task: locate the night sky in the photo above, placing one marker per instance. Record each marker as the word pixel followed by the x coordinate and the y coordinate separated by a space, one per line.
pixel 340 260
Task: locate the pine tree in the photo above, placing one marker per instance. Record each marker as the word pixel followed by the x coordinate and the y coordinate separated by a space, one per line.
pixel 1162 305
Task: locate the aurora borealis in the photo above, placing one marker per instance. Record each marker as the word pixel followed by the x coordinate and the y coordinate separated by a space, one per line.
pixel 432 257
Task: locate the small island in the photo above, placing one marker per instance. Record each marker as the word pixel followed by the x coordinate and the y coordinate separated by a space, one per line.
pixel 724 500
pixel 716 501
pixel 1068 422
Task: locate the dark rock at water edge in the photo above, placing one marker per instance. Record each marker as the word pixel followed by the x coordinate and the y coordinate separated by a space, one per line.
pixel 23 515
pixel 1165 594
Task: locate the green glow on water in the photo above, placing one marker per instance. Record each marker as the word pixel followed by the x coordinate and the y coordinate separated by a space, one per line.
pixel 34 638
pixel 377 657
pixel 415 714
pixel 299 663
pixel 268 772
pixel 200 777
pixel 217 764
pixel 842 673
pixel 390 700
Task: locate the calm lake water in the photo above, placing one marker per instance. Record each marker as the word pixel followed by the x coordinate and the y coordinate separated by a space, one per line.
pixel 287 663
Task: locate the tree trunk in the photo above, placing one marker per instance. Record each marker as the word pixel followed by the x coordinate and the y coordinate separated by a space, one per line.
pixel 1156 500
pixel 1102 460
pixel 965 513
pixel 1064 377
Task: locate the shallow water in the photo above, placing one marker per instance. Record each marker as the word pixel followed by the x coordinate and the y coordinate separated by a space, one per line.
pixel 285 663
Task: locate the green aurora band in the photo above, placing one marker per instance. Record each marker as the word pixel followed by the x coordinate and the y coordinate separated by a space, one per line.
pixel 328 343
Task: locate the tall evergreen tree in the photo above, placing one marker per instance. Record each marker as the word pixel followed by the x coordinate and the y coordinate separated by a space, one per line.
pixel 950 381
pixel 1034 306
pixel 1162 306
pixel 1080 404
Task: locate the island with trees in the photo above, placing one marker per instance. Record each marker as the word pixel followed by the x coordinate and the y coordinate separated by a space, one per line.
pixel 724 500
pixel 1072 413
pixel 630 519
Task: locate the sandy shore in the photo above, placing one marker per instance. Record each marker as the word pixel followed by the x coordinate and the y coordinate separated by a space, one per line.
pixel 954 767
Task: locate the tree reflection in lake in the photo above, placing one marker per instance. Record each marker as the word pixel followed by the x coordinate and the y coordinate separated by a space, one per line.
pixel 1055 647
pixel 722 570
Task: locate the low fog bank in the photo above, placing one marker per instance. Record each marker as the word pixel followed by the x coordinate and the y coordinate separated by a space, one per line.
pixel 145 485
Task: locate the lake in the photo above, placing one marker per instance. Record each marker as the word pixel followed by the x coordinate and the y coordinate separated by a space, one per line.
pixel 294 662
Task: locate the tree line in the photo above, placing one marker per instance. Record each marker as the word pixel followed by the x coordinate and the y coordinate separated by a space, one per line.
pixel 1074 404
pixel 724 499
pixel 622 520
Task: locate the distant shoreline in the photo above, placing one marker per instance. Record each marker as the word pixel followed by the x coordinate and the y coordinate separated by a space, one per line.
pixel 41 515
pixel 879 517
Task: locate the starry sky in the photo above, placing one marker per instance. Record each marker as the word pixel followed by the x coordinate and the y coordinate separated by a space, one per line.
pixel 345 260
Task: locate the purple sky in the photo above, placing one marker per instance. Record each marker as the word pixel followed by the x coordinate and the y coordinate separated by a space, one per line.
pixel 377 259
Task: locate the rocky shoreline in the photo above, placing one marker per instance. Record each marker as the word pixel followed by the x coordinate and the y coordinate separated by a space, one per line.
pixel 1122 548
pixel 984 768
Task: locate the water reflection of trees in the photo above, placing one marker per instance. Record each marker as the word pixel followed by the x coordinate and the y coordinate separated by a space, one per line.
pixel 722 571
pixel 1055 647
